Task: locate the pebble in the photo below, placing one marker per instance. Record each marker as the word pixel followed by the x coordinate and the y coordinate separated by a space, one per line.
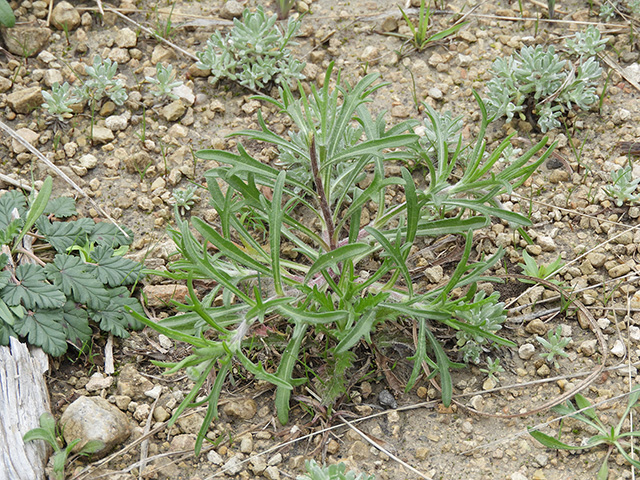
pixel 88 161
pixel 271 473
pixel 246 444
pixel 155 392
pixel 126 38
pixel 543 371
pixel 244 409
pixel 386 399
pixel 26 100
pixel 618 349
pixel 588 347
pixel 98 382
pixel 102 135
pixel 234 465
pixel 215 458
pixel 546 243
pixel 65 16
pixel 537 327
pixel 231 9
pixel 634 333
pixel 117 123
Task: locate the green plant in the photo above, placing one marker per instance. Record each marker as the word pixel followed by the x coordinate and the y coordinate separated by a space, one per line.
pixel 532 269
pixel 7 18
pixel 164 81
pixel 419 37
pixel 58 102
pixel 587 43
pixel 72 275
pixel 606 435
pixel 164 28
pixel 555 345
pixel 493 367
pixel 283 7
pixel 184 199
pixel 330 472
pixel 313 202
pixel 102 82
pixel 536 81
pixel 52 434
pixel 254 53
pixel 623 186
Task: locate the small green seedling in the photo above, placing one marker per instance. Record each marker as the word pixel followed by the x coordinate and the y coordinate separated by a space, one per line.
pixel 623 188
pixel 102 83
pixel 419 37
pixel 164 82
pixel 184 199
pixel 493 367
pixel 52 434
pixel 283 7
pixel 331 472
pixel 58 102
pixel 555 344
pixel 607 435
pixel 532 269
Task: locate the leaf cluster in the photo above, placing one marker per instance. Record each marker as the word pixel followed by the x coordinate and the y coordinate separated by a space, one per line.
pixel 419 33
pixel 532 269
pixel 51 434
pixel 607 435
pixel 623 186
pixel 330 472
pixel 254 53
pixel 555 345
pixel 102 82
pixel 315 203
pixel 538 81
pixel 74 273
pixel 164 81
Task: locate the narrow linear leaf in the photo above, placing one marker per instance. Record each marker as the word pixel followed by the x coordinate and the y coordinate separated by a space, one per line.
pixel 340 254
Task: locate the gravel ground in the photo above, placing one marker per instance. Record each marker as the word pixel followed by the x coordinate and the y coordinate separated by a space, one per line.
pixel 132 178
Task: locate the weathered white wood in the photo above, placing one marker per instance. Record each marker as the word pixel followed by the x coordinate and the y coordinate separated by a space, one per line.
pixel 23 398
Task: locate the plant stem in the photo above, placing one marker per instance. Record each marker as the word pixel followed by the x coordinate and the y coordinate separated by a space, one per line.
pixel 324 205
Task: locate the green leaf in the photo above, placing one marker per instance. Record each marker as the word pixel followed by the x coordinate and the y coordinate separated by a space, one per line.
pixel 75 321
pixel 32 289
pixel 70 275
pixel 61 207
pixel 43 329
pixel 6 332
pixel 63 235
pixel 113 270
pixel 36 209
pixel 108 234
pixel 9 314
pixel 8 202
pixel 362 328
pixel 7 18
pixel 551 442
pixel 275 227
pixel 340 254
pixel 115 317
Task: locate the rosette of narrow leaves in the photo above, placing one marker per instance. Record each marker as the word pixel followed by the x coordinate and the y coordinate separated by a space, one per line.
pixel 337 471
pixel 320 214
pixel 58 102
pixel 52 303
pixel 254 53
pixel 623 186
pixel 587 43
pixel 102 83
pixel 164 81
pixel 538 81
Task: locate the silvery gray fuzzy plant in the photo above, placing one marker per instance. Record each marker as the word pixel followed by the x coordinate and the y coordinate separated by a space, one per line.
pixel 254 53
pixel 537 81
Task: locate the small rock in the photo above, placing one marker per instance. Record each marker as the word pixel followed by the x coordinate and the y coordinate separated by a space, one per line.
pixel 359 450
pixel 588 347
pixel 526 351
pixel 434 274
pixel 5 84
pixel 275 460
pixel 557 176
pixel 102 135
pixel 386 399
pixel 190 423
pixel 518 476
pixel 537 327
pixel 26 100
pixel 154 392
pixel 467 427
pixel 258 465
pixel 370 54
pixel 400 111
pixel 65 16
pixel 465 60
pixel 231 9
pixel 98 382
pixel 132 384
pixel 25 41
pixel 52 76
pixel 546 243
pixel 619 270
pixel 389 24
pixel 160 414
pixel 333 447
pixel 161 54
pixel 634 333
pixel 618 349
pixel 271 473
pixel 122 402
pixel 596 259
pixel 215 458
pixel 174 111
pixel 234 465
pixel 244 409
pixel 93 418
pixel 544 370
pixel 116 123
pixel 29 135
pixel 183 442
pixel 119 55
pixel 142 412
pixel 246 444
pixel 88 161
pixel 184 93
pixel 162 295
pixel 126 38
